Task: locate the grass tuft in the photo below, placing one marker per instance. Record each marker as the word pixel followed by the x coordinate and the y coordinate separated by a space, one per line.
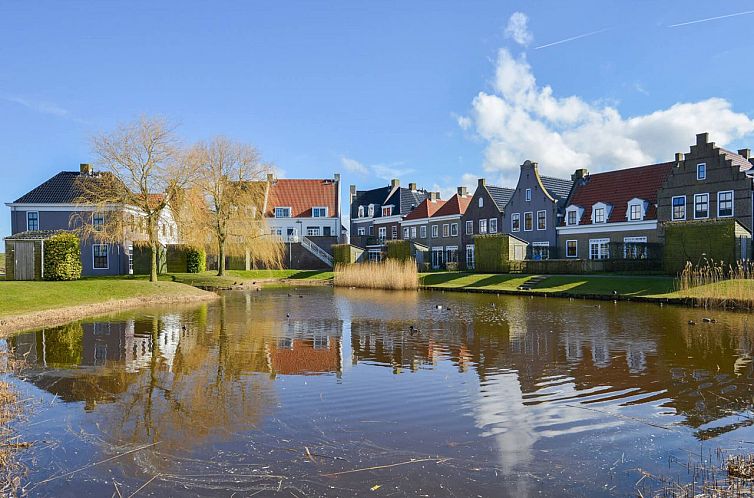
pixel 390 274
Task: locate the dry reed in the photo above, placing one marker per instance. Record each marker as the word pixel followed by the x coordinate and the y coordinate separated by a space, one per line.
pixel 389 274
pixel 714 284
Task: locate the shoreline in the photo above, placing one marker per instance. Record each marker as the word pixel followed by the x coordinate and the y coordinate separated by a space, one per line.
pixel 12 324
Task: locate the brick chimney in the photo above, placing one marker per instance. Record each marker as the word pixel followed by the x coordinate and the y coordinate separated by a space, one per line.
pixel 412 187
pixel 679 157
pixel 395 183
pixel 579 174
pixel 746 153
pixel 462 191
pixel 702 138
pixel 270 177
pixel 433 196
pixel 481 182
pixel 336 177
pixel 85 169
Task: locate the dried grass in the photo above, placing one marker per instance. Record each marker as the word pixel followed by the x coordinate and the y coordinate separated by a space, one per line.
pixel 11 408
pixel 389 274
pixel 714 284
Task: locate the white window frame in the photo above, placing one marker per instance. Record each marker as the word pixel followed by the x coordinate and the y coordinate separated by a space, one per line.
pixel 515 218
pixel 599 215
pixel 388 210
pixel 576 248
pixel 599 243
pixel 544 217
pixel 313 231
pixel 492 225
pixel 361 231
pixel 701 217
pixel 576 211
pixel 27 220
pixel 632 240
pixel 107 256
pixel 469 227
pixel 320 208
pixel 361 212
pixel 481 202
pixel 406 233
pixel 102 215
pixel 672 208
pixel 435 231
pixel 454 229
pixel 732 204
pixel 445 230
pixel 370 211
pixel 470 261
pixel 423 231
pixel 701 167
pixel 528 195
pixel 531 216
pixel 394 232
pixel 281 208
pixel 382 233
pixel 482 227
pixel 413 232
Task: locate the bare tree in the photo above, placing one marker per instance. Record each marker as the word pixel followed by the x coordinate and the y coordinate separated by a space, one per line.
pixel 226 201
pixel 143 173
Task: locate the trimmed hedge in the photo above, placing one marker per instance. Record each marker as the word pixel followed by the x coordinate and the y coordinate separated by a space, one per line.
pixel 196 260
pixel 185 259
pixel 62 257
pixel 491 253
pixel 693 241
pixel 399 250
pixel 342 254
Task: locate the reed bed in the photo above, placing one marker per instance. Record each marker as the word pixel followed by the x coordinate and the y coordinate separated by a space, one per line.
pixel 390 274
pixel 714 284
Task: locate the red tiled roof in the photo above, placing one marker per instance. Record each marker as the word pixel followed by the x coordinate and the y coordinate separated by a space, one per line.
pixel 454 205
pixel 302 195
pixel 424 210
pixel 618 187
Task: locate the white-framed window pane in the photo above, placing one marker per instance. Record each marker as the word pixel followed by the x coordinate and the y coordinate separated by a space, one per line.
pixel 481 202
pixel 679 208
pixel 98 221
pixel 725 204
pixel 571 218
pixel 515 222
pixel 32 220
pixel 394 232
pixel 423 232
pixel 99 253
pixel 319 212
pixel 482 226
pixel 445 230
pixel 541 220
pixel 312 231
pixel 470 257
pixel 453 229
pixel 469 227
pixel 361 231
pixel 528 222
pixel 405 233
pixel 571 248
pixel 634 212
pixel 528 194
pixel 282 212
pixel 435 230
pixel 413 232
pixel 493 225
pixel 599 249
pixel 701 171
pixel 701 206
pixel 599 215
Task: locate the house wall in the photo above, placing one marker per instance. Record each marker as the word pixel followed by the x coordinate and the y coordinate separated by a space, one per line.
pixel 721 176
pixel 475 213
pixel 446 242
pixel 540 201
pixel 302 224
pixel 615 236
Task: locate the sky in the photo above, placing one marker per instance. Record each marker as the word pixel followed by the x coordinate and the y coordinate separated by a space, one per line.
pixel 438 93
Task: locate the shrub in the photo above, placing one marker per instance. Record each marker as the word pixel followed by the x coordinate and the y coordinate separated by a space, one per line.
pixel 491 252
pixel 62 257
pixel 399 250
pixel 196 260
pixel 342 254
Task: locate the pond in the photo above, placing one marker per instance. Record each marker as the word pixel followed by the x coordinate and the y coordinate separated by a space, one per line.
pixel 329 392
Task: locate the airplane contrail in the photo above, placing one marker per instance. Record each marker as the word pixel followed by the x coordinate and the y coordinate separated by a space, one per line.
pixel 711 19
pixel 572 38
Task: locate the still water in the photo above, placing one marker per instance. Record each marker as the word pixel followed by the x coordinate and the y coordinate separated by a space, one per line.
pixel 492 396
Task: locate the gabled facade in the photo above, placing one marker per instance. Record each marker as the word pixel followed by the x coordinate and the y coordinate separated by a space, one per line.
pixel 613 215
pixel 708 183
pixel 536 209
pixel 445 229
pixel 415 225
pixel 484 215
pixel 308 207
pixel 54 205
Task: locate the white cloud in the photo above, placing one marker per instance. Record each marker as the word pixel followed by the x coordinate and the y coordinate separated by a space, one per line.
pixel 353 165
pixel 518 30
pixel 38 106
pixel 382 171
pixel 522 120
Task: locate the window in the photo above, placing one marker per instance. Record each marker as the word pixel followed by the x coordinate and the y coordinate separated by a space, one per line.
pixel 382 233
pixel 361 211
pixel 445 230
pixel 701 171
pixel 469 227
pixel 394 232
pixel 131 260
pixel 99 257
pixel 540 251
pixel 528 194
pixel 679 207
pixel 282 212
pixel 599 248
pixel 571 219
pixel 437 254
pixel 451 254
pixel 370 230
pixel 470 256
pixel 319 212
pixel 387 210
pixel 481 202
pixel 528 222
pixel 635 248
pixel 32 220
pixel 370 210
pixel 413 232
pixel 312 231
pixel 453 229
pixel 361 231
pixel 634 212
pixel 572 248
pixel 435 231
pixel 482 226
pixel 701 206
pixel 599 215
pixel 98 221
pixel 516 222
pixel 492 226
pixel 423 231
pixel 541 220
pixel 405 233
pixel 725 204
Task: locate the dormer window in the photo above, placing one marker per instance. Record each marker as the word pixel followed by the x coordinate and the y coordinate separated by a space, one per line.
pixel 600 212
pixel 528 194
pixel 637 209
pixel 387 210
pixel 319 212
pixel 701 171
pixel 573 215
pixel 370 210
pixel 282 212
pixel 361 211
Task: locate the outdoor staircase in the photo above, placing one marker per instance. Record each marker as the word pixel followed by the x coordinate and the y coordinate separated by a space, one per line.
pixel 532 282
pixel 313 248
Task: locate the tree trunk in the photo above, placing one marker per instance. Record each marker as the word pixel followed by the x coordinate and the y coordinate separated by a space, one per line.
pixel 153 265
pixel 221 259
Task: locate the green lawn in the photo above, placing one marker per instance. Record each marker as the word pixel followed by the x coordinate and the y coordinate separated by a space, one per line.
pixel 236 277
pixel 23 297
pixel 574 284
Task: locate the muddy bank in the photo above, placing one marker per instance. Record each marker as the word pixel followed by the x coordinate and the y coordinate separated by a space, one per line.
pixel 60 316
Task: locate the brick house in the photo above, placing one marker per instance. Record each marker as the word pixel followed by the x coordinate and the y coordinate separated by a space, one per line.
pixel 415 225
pixel 613 215
pixel 445 231
pixel 484 215
pixel 536 209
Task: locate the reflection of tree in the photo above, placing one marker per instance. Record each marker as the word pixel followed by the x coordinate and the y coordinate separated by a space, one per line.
pixel 63 347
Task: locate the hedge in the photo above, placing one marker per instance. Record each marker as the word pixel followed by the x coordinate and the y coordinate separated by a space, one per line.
pixel 342 254
pixel 398 249
pixel 62 257
pixel 491 253
pixel 715 240
pixel 196 260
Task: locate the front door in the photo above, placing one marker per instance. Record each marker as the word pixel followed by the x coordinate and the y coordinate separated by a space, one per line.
pixel 24 260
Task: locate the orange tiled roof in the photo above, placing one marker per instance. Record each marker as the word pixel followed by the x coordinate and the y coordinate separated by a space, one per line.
pixel 424 210
pixel 302 195
pixel 455 205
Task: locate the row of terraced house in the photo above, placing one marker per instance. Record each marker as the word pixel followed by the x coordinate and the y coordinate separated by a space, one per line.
pixel 624 214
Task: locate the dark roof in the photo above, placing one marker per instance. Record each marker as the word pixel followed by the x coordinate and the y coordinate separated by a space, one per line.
pixel 557 187
pixel 63 188
pixel 737 160
pixel 501 195
pixel 409 199
pixel 618 187
pixel 403 199
pixel 34 235
pixel 364 198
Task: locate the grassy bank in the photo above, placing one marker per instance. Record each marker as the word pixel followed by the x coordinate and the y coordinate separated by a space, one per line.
pixel 241 278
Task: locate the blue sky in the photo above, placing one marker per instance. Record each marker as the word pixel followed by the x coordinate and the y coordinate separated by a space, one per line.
pixel 436 92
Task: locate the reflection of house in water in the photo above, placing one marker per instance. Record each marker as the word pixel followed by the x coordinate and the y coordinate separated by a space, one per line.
pixel 308 347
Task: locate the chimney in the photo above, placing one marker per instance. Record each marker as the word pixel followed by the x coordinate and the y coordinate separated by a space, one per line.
pixel 85 169
pixel 745 152
pixel 270 177
pixel 679 156
pixel 395 183
pixel 353 190
pixel 579 174
pixel 702 138
pixel 481 182
pixel 336 177
pixel 462 191
pixel 433 196
pixel 412 187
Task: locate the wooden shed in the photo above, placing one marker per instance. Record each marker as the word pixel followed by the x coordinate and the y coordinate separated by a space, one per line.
pixel 24 254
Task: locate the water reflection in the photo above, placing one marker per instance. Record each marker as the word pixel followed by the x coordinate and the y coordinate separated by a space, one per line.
pixel 518 387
